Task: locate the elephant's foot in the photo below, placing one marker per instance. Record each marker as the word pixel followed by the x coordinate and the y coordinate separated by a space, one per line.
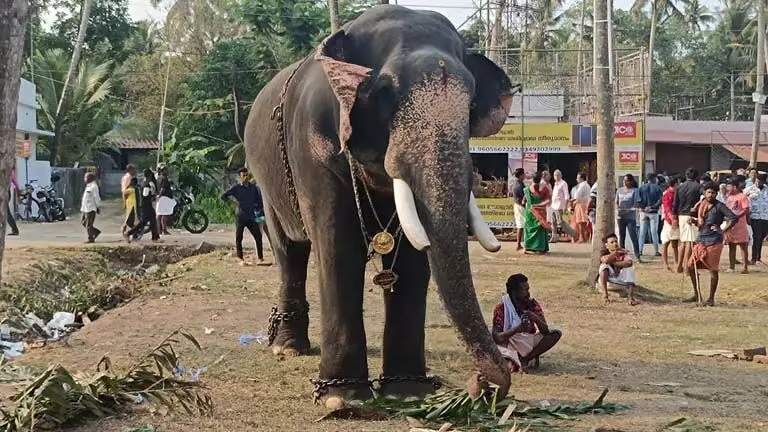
pixel 405 385
pixel 290 342
pixel 336 393
pixel 288 331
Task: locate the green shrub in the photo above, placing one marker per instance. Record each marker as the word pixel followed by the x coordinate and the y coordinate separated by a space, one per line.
pixel 218 211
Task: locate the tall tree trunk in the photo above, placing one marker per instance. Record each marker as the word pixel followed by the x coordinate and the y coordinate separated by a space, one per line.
pixel 651 47
pixel 61 109
pixel 760 7
pixel 495 50
pixel 333 9
pixel 580 60
pixel 606 170
pixel 14 15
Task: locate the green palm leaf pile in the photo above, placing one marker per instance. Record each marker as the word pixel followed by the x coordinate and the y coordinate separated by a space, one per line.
pixel 486 413
pixel 58 398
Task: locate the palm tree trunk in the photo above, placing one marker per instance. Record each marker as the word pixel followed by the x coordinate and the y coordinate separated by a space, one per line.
pixel 606 173
pixel 580 58
pixel 651 46
pixel 333 9
pixel 85 13
pixel 760 7
pixel 496 33
pixel 14 15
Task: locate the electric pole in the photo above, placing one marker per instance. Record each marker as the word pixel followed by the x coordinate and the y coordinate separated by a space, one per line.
pixel 758 97
pixel 606 166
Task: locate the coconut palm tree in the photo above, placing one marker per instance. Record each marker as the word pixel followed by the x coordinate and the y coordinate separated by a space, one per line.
pixel 86 118
pixel 697 14
pixel 661 10
pixel 62 105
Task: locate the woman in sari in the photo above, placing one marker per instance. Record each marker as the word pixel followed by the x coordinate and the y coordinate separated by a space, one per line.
pixel 536 226
pixel 131 205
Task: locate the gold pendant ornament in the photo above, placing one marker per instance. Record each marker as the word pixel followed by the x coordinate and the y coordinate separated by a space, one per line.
pixel 386 279
pixel 383 243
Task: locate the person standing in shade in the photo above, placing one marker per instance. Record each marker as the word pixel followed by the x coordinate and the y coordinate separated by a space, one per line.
pixel 650 202
pixel 250 211
pixel 686 196
pixel 89 206
pixel 518 194
pixel 11 221
pixel 148 217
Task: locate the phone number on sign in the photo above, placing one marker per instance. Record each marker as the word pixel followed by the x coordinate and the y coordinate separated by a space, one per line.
pixel 517 149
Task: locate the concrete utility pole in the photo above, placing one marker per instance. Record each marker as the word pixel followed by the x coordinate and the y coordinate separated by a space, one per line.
pixel 606 166
pixel 759 96
pixel 333 8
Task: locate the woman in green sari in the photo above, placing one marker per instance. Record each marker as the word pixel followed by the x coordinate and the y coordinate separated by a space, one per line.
pixel 536 226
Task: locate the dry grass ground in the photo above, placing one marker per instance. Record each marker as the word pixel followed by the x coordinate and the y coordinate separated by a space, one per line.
pixel 626 349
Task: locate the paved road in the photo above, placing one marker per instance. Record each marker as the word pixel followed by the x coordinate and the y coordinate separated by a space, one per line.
pixel 71 233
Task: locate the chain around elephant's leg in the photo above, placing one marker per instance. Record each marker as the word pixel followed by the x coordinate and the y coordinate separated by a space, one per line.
pixel 404 366
pixel 289 322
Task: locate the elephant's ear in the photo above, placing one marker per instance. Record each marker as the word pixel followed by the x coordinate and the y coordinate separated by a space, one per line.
pixel 345 79
pixel 493 96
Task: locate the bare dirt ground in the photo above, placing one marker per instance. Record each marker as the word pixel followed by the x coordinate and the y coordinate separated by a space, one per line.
pixel 630 350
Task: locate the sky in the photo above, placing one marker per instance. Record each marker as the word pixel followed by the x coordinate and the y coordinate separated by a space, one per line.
pixel 455 10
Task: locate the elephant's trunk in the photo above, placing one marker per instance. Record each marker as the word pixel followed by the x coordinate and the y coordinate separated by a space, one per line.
pixel 428 158
pixel 445 237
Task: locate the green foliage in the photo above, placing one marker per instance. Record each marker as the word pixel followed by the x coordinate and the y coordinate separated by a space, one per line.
pixel 218 211
pixel 193 161
pixel 58 398
pixel 68 285
pixel 108 28
pixel 88 116
pixel 486 412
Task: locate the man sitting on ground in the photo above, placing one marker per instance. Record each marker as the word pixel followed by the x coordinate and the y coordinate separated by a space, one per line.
pixel 616 267
pixel 515 321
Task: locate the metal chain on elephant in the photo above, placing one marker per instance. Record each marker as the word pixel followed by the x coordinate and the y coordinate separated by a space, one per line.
pixel 275 318
pixel 383 243
pixel 277 114
pixel 322 385
pixel 433 380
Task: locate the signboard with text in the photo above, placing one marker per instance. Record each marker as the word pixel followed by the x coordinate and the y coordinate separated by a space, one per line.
pixel 554 138
pixel 497 212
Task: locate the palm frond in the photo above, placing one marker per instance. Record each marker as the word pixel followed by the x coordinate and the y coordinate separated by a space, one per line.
pixel 57 397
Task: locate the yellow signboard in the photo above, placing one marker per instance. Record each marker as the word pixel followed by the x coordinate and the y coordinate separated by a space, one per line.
pixel 497 212
pixel 554 138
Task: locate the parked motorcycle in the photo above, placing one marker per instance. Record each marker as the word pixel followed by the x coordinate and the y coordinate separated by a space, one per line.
pixel 192 219
pixel 51 206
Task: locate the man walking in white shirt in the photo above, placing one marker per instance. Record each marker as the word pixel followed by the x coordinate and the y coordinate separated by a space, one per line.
pixel 89 206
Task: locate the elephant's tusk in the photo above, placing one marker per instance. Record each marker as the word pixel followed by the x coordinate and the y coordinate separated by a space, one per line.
pixel 409 218
pixel 480 229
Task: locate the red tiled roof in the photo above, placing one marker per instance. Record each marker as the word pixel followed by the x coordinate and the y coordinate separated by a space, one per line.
pixel 135 144
pixel 745 152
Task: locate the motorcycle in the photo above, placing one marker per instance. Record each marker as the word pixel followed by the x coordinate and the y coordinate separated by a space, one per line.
pixel 185 214
pixel 51 206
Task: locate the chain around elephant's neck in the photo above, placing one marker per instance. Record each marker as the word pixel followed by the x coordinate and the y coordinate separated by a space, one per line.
pixel 277 114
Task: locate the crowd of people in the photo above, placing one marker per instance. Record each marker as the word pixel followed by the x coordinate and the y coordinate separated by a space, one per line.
pixel 150 204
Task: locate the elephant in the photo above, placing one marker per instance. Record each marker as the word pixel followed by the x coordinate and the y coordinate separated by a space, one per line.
pixel 374 127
